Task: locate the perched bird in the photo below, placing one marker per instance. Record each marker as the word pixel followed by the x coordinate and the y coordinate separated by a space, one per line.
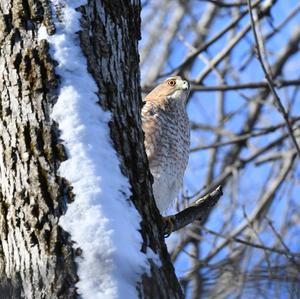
pixel 167 138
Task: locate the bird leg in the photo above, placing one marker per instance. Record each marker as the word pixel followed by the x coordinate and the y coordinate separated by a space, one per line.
pixel 168 226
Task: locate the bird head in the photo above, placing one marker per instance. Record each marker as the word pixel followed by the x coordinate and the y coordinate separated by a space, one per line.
pixel 173 89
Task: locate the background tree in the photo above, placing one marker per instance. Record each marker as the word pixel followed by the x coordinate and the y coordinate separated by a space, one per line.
pixel 244 111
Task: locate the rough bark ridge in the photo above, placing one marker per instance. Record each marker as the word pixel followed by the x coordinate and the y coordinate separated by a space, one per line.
pixel 36 258
pixel 111 30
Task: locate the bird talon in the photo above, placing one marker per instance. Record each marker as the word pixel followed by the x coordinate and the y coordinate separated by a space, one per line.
pixel 168 227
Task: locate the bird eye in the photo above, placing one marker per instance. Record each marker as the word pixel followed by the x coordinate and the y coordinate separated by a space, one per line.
pixel 172 82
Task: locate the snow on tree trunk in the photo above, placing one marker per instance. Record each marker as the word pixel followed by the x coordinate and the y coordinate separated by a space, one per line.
pixel 118 252
pixel 111 30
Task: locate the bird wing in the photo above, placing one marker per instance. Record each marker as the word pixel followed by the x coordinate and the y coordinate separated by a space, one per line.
pixel 152 128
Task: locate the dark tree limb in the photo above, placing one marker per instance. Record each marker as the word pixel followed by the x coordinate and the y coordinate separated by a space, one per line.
pixel 198 210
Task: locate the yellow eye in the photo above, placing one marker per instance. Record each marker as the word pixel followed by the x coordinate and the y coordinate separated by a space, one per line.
pixel 172 82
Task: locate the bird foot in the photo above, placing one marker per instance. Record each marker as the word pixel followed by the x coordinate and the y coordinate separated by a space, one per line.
pixel 168 226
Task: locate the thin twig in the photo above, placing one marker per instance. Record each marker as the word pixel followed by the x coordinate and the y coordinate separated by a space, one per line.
pixel 247 243
pixel 241 138
pixel 251 85
pixel 261 208
pixel 222 4
pixel 289 254
pixel 232 43
pixel 270 81
pixel 204 47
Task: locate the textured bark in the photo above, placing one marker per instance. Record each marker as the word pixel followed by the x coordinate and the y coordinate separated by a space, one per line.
pixel 109 38
pixel 36 257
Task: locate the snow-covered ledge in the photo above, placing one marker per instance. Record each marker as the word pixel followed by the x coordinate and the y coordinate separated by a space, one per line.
pixel 101 220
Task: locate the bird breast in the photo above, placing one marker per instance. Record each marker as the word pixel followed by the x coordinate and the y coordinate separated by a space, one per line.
pixel 171 140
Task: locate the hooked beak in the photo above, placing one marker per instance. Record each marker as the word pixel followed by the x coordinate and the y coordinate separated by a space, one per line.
pixel 185 85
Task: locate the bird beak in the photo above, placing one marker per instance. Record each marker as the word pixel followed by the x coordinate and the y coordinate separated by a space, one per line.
pixel 185 85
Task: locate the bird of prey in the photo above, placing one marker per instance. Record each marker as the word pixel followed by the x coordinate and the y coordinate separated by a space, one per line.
pixel 167 138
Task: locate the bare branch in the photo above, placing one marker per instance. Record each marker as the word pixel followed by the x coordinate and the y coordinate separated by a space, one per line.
pixel 270 81
pixel 197 211
pixel 232 43
pixel 261 207
pixel 241 138
pixel 227 4
pixel 188 61
pixel 251 85
pixel 247 243
pixel 238 140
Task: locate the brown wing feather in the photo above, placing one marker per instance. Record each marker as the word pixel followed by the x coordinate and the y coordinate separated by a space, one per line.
pixel 153 132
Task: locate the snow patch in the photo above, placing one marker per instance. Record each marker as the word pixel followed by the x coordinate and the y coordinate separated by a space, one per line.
pixel 101 220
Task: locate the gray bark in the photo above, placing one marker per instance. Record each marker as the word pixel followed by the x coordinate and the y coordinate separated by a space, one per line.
pixel 36 257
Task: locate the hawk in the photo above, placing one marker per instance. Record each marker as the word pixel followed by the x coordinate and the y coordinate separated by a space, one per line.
pixel 167 138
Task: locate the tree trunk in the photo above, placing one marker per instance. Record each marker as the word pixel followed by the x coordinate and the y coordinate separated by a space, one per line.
pixel 113 60
pixel 36 255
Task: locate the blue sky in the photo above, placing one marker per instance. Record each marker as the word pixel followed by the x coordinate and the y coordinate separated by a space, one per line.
pixel 202 108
